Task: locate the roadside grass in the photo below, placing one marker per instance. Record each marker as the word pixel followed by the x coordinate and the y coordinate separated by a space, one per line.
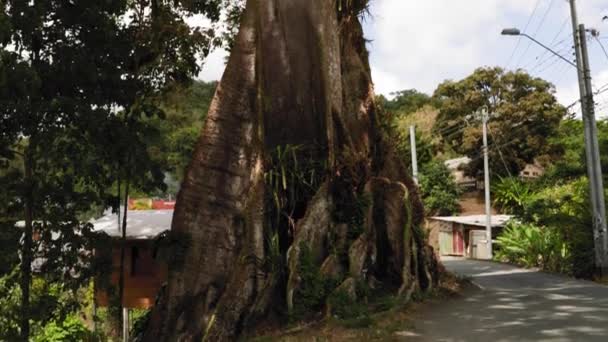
pixel 386 317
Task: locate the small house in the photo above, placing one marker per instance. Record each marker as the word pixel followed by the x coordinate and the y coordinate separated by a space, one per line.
pixel 532 171
pixel 143 273
pixel 456 169
pixel 462 235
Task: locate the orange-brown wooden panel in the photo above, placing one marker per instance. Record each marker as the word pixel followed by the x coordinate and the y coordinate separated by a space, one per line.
pixel 143 276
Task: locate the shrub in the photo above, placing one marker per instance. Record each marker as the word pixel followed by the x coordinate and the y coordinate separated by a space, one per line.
pixel 511 195
pixel 533 246
pixel 69 330
pixel 440 193
pixel 556 232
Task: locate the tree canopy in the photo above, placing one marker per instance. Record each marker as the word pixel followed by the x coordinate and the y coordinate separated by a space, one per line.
pixel 524 113
pixel 406 101
pixel 79 84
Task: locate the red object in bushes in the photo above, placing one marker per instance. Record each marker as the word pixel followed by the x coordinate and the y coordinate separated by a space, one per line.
pixel 163 205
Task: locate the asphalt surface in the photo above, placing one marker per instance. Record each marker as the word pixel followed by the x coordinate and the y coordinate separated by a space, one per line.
pixel 513 304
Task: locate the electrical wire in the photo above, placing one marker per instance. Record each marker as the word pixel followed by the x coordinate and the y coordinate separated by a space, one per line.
pixel 563 26
pixel 552 60
pixel 537 30
pixel 547 67
pixel 560 46
pixel 519 38
pixel 601 45
pixel 491 147
pixel 561 71
pixel 502 158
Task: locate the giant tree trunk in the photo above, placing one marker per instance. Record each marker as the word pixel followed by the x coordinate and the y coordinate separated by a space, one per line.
pixel 298 76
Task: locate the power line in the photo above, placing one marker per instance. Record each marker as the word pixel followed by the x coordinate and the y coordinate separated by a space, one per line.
pixel 551 59
pixel 599 91
pixel 601 45
pixel 561 45
pixel 537 30
pixel 555 61
pixel 544 17
pixel 491 147
pixel 500 152
pixel 525 28
pixel 451 130
pixel 561 71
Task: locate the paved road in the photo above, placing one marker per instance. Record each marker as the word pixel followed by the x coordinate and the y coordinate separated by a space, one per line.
pixel 514 304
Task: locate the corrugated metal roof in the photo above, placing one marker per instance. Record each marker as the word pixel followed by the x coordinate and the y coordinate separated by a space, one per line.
pixel 141 224
pixel 476 220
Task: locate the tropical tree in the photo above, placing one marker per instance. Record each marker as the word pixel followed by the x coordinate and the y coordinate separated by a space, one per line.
pixel 569 143
pixel 524 113
pixel 407 101
pixel 297 80
pixel 76 79
pixel 439 191
pixel 185 109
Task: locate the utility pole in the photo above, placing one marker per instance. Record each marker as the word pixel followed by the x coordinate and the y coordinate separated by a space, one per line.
pixel 125 324
pixel 594 170
pixel 486 186
pixel 414 154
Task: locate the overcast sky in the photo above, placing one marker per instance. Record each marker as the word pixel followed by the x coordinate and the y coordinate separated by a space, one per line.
pixel 419 44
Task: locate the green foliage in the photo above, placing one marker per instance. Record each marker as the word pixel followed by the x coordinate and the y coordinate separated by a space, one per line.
pixel 71 329
pixel 185 109
pixel 139 321
pixel 233 9
pixel 54 317
pixel 345 306
pixel 275 262
pixel 314 288
pixel 533 246
pixel 350 203
pixel 555 230
pixel 406 101
pixel 394 124
pixel 425 148
pixel 79 84
pixel 352 211
pixel 511 195
pixel 525 113
pixel 569 144
pixel 293 176
pixel 440 193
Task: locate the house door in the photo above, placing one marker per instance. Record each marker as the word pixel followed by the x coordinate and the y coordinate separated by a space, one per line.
pixel 458 242
pixel 446 243
pixel 477 240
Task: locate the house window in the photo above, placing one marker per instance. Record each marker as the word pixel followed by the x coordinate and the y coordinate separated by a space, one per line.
pixel 142 262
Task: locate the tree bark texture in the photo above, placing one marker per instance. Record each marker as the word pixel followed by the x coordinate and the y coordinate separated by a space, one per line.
pixel 298 75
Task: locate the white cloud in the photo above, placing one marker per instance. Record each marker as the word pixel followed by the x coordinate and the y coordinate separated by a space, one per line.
pixel 419 44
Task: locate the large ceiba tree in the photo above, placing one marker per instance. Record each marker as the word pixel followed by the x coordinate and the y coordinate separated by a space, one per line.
pixel 294 110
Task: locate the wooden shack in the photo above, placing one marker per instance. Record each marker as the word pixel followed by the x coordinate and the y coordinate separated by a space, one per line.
pixel 143 273
pixel 462 235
